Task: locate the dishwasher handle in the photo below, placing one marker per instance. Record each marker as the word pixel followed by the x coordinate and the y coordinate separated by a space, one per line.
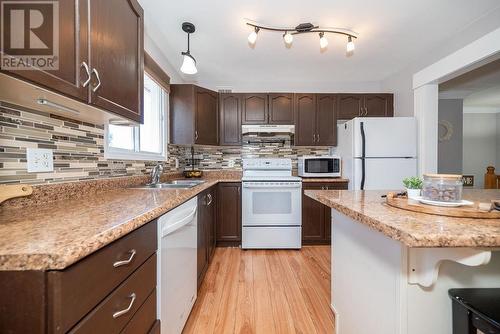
pixel 178 224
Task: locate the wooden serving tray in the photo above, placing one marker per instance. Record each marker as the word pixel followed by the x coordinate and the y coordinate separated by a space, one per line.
pixel 459 212
pixel 14 190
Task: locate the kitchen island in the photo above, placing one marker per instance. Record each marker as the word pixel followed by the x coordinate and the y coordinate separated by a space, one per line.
pixel 391 268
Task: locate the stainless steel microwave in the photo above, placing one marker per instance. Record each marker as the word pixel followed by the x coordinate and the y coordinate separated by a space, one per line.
pixel 319 166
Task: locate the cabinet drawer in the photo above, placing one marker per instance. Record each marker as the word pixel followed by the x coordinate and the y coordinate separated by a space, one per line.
pixel 114 312
pixel 75 291
pixel 144 319
pixel 324 185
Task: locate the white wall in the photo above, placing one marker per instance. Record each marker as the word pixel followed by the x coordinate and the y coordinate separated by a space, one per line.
pixel 401 81
pixel 480 145
pixel 450 157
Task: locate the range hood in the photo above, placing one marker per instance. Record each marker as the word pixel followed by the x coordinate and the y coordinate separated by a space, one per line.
pixel 268 134
pixel 267 129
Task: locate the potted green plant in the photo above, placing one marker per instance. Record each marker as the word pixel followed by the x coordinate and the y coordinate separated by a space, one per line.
pixel 413 186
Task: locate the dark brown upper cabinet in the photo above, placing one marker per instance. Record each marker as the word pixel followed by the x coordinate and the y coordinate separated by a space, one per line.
pixel 193 115
pixel 255 109
pixel 230 119
pixel 326 120
pixel 379 105
pixel 364 105
pixel 305 119
pixel 349 106
pixel 117 51
pixel 100 56
pixel 280 108
pixel 276 108
pixel 73 54
pixel 315 120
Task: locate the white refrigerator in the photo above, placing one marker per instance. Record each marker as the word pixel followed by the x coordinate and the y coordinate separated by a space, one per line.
pixel 378 152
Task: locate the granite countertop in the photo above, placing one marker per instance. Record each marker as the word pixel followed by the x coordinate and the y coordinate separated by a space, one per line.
pixel 54 235
pixel 411 228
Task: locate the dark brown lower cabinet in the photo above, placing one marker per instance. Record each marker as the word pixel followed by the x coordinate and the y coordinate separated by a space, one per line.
pixel 316 217
pixel 206 230
pixel 84 297
pixel 228 226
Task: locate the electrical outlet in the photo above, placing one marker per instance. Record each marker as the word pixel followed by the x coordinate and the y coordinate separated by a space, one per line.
pixel 39 160
pixel 230 163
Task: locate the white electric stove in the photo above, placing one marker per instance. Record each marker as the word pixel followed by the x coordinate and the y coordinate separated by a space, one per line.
pixel 271 205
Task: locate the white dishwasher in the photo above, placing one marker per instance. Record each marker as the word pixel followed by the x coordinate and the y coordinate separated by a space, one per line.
pixel 177 244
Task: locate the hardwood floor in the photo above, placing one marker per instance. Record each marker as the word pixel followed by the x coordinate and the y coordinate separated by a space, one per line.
pixel 265 291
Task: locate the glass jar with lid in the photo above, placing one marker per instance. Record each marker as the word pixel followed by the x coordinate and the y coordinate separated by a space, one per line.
pixel 442 187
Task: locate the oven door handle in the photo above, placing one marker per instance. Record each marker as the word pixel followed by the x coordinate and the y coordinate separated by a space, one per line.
pixel 271 186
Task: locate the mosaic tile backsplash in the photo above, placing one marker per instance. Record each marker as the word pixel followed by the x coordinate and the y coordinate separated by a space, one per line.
pixel 79 152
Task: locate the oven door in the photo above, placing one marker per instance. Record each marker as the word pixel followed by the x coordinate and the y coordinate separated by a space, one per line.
pixel 271 203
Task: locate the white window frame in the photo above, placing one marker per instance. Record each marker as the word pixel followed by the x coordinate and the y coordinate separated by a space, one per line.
pixel 124 154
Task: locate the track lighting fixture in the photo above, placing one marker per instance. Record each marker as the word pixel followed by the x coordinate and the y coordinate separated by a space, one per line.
pixel 303 28
pixel 188 63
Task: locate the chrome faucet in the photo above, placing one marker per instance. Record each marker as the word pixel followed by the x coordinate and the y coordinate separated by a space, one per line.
pixel 156 173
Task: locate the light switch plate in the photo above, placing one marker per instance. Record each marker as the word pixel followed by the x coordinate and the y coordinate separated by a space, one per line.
pixel 39 160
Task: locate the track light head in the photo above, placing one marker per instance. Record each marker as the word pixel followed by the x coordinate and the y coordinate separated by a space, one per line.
pixel 252 38
pixel 323 42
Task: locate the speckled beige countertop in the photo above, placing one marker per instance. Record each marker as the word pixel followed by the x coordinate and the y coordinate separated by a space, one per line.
pixel 411 228
pixel 54 235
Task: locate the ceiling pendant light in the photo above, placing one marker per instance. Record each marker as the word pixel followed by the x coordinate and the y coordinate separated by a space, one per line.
pixel 252 38
pixel 188 63
pixel 288 38
pixel 350 45
pixel 323 42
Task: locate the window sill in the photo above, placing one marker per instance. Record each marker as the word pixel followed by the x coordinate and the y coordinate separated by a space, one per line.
pixel 127 155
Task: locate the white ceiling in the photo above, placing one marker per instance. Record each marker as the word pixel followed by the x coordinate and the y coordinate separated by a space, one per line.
pixel 393 33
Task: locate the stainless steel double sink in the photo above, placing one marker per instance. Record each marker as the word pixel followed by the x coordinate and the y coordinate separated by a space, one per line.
pixel 174 184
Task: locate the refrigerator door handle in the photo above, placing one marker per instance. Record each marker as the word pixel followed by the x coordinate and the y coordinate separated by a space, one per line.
pixel 363 155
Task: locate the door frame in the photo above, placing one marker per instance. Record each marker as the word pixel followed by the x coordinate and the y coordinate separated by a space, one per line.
pixel 426 93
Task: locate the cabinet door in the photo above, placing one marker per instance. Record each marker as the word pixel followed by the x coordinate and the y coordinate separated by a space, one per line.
pixel 379 105
pixel 305 119
pixel 203 215
pixel 313 217
pixel 326 120
pixel 73 52
pixel 230 119
pixel 228 225
pixel 206 117
pixel 255 109
pixel 349 106
pixel 211 219
pixel 280 108
pixel 116 49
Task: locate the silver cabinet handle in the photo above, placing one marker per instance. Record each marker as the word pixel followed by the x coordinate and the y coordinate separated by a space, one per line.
pixel 366 111
pixel 94 71
pixel 122 312
pixel 87 70
pixel 314 138
pixel 196 135
pixel 127 261
pixel 317 137
pixel 209 199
